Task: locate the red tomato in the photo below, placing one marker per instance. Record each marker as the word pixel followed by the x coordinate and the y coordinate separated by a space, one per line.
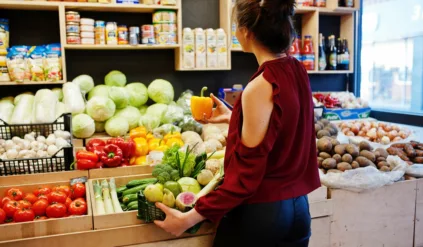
pixel 24 215
pixel 2 216
pixel 5 200
pixel 81 200
pixel 11 207
pixel 42 191
pixel 57 210
pixel 39 207
pixel 57 196
pixel 25 204
pixel 78 207
pixel 78 190
pixel 63 188
pixel 44 197
pixel 68 202
pixel 14 194
pixel 40 218
pixel 30 197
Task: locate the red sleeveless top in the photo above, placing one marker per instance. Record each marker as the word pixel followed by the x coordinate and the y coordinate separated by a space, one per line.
pixel 284 164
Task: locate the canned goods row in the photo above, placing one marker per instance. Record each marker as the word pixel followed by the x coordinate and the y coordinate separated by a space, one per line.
pixel 164 16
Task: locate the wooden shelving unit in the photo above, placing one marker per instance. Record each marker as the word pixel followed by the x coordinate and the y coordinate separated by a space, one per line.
pixel 30 83
pixel 310 18
pixel 120 47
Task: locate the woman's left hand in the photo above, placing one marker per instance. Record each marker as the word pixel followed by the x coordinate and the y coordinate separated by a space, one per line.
pixel 177 222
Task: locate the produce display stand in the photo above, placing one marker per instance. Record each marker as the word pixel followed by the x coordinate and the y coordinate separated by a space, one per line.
pixel 120 171
pixel 10 232
pixel 381 217
pixel 41 178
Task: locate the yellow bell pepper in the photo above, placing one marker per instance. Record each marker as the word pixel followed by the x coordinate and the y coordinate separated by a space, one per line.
pixel 174 141
pixel 141 146
pixel 149 137
pixel 172 135
pixel 201 107
pixel 162 147
pixel 138 160
pixel 138 132
pixel 153 144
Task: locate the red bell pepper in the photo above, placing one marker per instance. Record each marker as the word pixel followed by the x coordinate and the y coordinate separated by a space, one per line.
pixel 112 156
pixel 127 147
pixel 94 143
pixel 86 160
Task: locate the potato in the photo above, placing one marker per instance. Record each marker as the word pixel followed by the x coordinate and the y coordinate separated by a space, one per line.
pixel 347 158
pixel 369 155
pixel 320 161
pixel 380 159
pixel 363 161
pixel 382 152
pixel 322 133
pixel 324 145
pixel 334 142
pixel 331 130
pixel 365 146
pixel 317 127
pixel 352 149
pixel 325 155
pixel 343 166
pixel 338 158
pixel 329 163
pixel 355 165
pixel 409 150
pixel 325 122
pixel 419 153
pixel 382 163
pixel 385 169
pixel 340 149
pixel 334 171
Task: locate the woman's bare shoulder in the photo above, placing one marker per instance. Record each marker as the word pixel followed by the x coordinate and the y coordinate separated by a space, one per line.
pixel 259 86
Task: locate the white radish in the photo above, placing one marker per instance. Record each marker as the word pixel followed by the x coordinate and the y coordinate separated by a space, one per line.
pixel 51 150
pixel 12 154
pixel 41 139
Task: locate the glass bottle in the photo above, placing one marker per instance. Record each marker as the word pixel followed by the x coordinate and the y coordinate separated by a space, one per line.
pixel 339 54
pixel 308 53
pixel 332 54
pixel 322 53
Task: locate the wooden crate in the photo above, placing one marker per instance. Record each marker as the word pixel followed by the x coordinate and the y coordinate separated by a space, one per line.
pixel 319 194
pixel 418 236
pixel 41 177
pixel 117 219
pixel 320 232
pixel 122 236
pixel 197 241
pixel 381 217
pixel 45 227
pixel 120 171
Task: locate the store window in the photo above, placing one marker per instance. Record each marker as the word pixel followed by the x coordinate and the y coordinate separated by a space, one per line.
pixel 392 55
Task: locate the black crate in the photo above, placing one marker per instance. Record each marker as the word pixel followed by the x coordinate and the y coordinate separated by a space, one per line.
pixel 37 165
pixel 148 212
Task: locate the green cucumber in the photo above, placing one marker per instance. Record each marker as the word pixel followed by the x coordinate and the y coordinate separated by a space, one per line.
pixel 120 190
pixel 129 198
pixel 123 206
pixel 138 182
pixel 134 190
pixel 132 205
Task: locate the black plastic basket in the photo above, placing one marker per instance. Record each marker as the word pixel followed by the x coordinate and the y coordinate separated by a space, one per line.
pixel 37 165
pixel 148 212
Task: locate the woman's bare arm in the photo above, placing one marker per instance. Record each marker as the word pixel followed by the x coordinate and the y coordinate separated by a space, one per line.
pixel 257 107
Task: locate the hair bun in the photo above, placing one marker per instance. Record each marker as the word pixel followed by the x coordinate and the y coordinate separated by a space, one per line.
pixel 285 7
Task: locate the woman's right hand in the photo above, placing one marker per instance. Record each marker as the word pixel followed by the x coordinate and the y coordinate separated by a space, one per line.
pixel 220 114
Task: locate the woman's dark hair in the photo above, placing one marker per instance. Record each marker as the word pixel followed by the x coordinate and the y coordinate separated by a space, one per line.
pixel 269 20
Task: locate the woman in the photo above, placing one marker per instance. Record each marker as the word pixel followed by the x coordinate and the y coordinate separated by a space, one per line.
pixel 270 163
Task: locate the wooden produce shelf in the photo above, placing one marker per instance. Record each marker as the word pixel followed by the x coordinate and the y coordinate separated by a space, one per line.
pixel 40 178
pixel 120 172
pixel 120 47
pixel 331 72
pixel 16 231
pixel 29 5
pixel 30 83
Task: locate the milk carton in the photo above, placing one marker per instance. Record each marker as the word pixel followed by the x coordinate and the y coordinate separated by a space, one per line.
pixel 200 48
pixel 222 48
pixel 188 48
pixel 211 48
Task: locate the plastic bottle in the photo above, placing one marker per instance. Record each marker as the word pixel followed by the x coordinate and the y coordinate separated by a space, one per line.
pixel 308 53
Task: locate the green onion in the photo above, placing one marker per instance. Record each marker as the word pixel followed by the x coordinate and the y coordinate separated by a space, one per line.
pixel 98 199
pixel 113 193
pixel 108 206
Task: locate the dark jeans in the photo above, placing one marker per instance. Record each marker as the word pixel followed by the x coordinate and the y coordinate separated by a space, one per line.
pixel 278 224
